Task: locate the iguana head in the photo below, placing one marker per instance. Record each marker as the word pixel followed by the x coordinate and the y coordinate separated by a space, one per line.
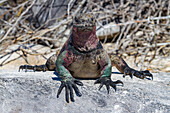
pixel 84 33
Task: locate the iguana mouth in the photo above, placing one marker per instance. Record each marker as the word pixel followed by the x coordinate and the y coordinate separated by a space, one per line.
pixel 84 25
pixel 81 28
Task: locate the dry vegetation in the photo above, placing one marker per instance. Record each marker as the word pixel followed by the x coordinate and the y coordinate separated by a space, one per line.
pixel 144 25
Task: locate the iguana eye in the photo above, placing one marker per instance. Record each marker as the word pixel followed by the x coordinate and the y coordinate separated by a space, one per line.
pixel 92 19
pixel 76 19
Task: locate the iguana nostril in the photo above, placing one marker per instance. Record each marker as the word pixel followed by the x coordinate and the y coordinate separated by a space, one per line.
pixel 86 48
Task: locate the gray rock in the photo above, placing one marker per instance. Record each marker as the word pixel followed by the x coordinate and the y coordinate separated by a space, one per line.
pixel 35 92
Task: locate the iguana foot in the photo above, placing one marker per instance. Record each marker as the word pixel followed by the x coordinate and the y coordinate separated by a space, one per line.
pixel 107 82
pixel 34 68
pixel 139 74
pixel 69 86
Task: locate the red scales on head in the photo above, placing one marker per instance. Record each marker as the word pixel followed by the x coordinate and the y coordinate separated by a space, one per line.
pixel 84 33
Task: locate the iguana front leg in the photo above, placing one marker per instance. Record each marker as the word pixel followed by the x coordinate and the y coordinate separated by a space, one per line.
pixel 34 68
pixel 48 66
pixel 105 78
pixel 122 66
pixel 67 81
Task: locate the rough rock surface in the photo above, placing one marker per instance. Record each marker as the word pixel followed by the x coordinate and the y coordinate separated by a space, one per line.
pixel 35 92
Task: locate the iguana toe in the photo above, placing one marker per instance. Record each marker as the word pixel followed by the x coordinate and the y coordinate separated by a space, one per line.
pixel 107 82
pixel 34 68
pixel 69 86
pixel 139 74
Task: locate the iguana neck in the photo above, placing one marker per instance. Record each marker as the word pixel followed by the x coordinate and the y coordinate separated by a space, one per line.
pixel 84 40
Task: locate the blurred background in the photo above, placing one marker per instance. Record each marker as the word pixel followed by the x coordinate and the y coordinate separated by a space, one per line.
pixel 137 30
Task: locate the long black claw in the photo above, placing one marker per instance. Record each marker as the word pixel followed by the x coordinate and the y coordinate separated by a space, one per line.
pixel 101 85
pixel 124 75
pixel 107 82
pixel 76 90
pixel 118 81
pixel 71 93
pixel 131 75
pixel 152 77
pixel 35 68
pixel 44 68
pixel 113 85
pixel 147 73
pixel 97 81
pixel 78 82
pixel 24 67
pixel 66 94
pixel 108 88
pixel 60 89
pixel 19 68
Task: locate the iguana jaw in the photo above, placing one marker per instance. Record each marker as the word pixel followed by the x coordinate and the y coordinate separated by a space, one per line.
pixel 84 38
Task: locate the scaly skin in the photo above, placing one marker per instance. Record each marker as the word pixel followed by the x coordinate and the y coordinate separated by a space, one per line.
pixel 83 56
pixel 48 66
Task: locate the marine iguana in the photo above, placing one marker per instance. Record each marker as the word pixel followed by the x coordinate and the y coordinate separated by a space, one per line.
pixel 83 56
